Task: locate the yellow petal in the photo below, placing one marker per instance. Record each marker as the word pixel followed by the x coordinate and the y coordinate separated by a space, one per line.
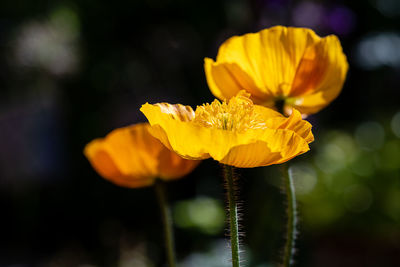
pixel 188 139
pixel 105 166
pixel 251 148
pixel 172 166
pixel 271 147
pixel 283 139
pixel 320 75
pixel 270 57
pixel 278 63
pixel 312 103
pixel 275 120
pixel 181 136
pixel 226 80
pixel 294 122
pixel 301 127
pixel 130 157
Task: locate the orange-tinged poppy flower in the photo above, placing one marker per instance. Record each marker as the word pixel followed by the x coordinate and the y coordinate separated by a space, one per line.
pixel 293 65
pixel 132 157
pixel 236 133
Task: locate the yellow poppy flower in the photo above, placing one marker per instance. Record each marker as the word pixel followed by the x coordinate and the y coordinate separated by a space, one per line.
pixel 132 157
pixel 236 133
pixel 291 65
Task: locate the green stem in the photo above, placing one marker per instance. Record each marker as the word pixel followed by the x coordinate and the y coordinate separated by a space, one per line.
pixel 233 216
pixel 167 221
pixel 291 217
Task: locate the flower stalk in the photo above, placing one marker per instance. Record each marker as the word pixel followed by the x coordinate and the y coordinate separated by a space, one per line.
pixel 233 214
pixel 167 222
pixel 291 231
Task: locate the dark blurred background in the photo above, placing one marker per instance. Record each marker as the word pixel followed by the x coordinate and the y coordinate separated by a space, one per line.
pixel 71 71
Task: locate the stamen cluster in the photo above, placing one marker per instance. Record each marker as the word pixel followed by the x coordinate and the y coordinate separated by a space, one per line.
pixel 236 115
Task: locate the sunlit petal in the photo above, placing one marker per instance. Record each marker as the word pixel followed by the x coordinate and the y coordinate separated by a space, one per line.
pixel 236 132
pixel 279 63
pixel 320 75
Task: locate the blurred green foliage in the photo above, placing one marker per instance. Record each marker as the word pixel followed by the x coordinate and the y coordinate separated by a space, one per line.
pixel 351 174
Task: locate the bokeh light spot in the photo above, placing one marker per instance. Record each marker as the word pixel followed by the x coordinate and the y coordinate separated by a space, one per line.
pixel 66 20
pixel 339 180
pixel 389 8
pixel 308 14
pixel 51 45
pixel 338 149
pixel 330 158
pixel 341 20
pixel 392 204
pixel 364 165
pixel 304 177
pixel 217 256
pixel 370 135
pixel 204 214
pixel 357 198
pixel 325 213
pixel 390 156
pixel 378 50
pixel 395 124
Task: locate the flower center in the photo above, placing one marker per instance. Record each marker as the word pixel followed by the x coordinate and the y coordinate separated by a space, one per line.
pixel 236 115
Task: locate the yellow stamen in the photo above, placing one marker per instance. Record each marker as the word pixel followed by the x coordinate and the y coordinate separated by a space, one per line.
pixel 236 115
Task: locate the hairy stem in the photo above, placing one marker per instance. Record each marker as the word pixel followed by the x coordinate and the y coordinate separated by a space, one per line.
pixel 291 217
pixel 233 216
pixel 167 222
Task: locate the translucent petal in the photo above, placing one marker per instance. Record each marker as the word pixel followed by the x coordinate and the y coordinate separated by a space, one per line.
pixel 131 157
pixel 320 75
pixel 172 166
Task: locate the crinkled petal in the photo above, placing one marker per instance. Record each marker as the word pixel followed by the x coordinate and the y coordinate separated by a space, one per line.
pixel 301 127
pixel 190 140
pixel 252 148
pixel 295 123
pixel 271 147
